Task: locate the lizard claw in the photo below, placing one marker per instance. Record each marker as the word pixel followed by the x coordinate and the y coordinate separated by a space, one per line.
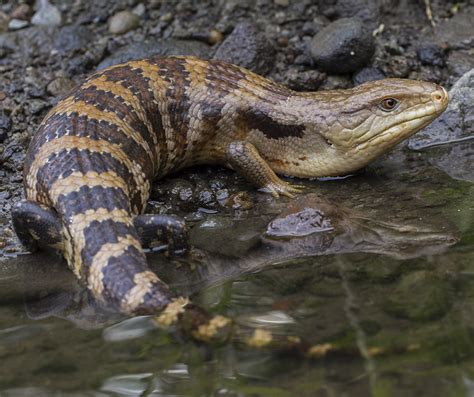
pixel 282 188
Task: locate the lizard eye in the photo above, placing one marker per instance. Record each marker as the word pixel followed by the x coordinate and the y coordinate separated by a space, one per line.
pixel 388 104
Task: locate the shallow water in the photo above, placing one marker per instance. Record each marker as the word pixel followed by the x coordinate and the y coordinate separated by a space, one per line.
pixel 380 265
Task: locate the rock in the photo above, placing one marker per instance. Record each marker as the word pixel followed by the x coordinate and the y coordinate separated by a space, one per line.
pixel 158 48
pixel 282 3
pixel 367 74
pixel 421 296
pixel 23 11
pixel 73 38
pixel 308 80
pixel 60 86
pixel 344 46
pixel 16 24
pixel 455 160
pixel 457 31
pixel 139 10
pixel 366 10
pixel 29 42
pixel 123 21
pixel 248 47
pixel 4 19
pixel 302 223
pixel 431 54
pixel 460 62
pixel 5 125
pixel 46 14
pixel 36 105
pixel 456 123
pixel 215 37
pixel 235 237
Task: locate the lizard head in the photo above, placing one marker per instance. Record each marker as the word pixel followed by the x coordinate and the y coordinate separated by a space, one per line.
pixel 368 120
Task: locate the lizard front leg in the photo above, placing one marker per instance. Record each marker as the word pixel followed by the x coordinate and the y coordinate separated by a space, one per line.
pixel 244 158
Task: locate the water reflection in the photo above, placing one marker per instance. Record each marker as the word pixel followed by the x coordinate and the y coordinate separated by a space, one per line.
pixel 389 290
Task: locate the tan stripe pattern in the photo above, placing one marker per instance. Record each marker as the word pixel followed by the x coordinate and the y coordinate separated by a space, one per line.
pixel 78 223
pixel 77 180
pixel 83 143
pixel 159 87
pixel 170 313
pixel 70 105
pixel 130 99
pixel 143 282
pixel 101 258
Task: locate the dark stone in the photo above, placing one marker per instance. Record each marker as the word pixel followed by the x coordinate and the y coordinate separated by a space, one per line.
pixel 366 10
pixel 308 80
pixel 367 74
pixel 420 296
pixel 457 31
pixel 73 38
pixel 5 125
pixel 456 123
pixel 431 54
pixel 156 48
pixel 460 62
pixel 343 47
pixel 248 47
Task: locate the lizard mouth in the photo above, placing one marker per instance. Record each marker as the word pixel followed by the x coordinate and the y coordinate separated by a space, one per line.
pixel 402 129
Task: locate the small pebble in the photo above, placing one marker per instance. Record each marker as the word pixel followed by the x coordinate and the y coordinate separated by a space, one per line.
pixel 16 24
pixel 215 37
pixel 60 86
pixel 123 22
pixel 3 96
pixel 23 11
pixel 168 17
pixel 47 15
pixel 431 54
pixel 139 10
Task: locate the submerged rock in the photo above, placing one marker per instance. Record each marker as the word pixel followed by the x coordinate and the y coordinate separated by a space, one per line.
pixel 247 46
pixel 225 236
pixel 344 46
pixel 302 223
pixel 420 295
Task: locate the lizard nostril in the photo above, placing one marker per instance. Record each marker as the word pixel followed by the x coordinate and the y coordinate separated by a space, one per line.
pixel 439 95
